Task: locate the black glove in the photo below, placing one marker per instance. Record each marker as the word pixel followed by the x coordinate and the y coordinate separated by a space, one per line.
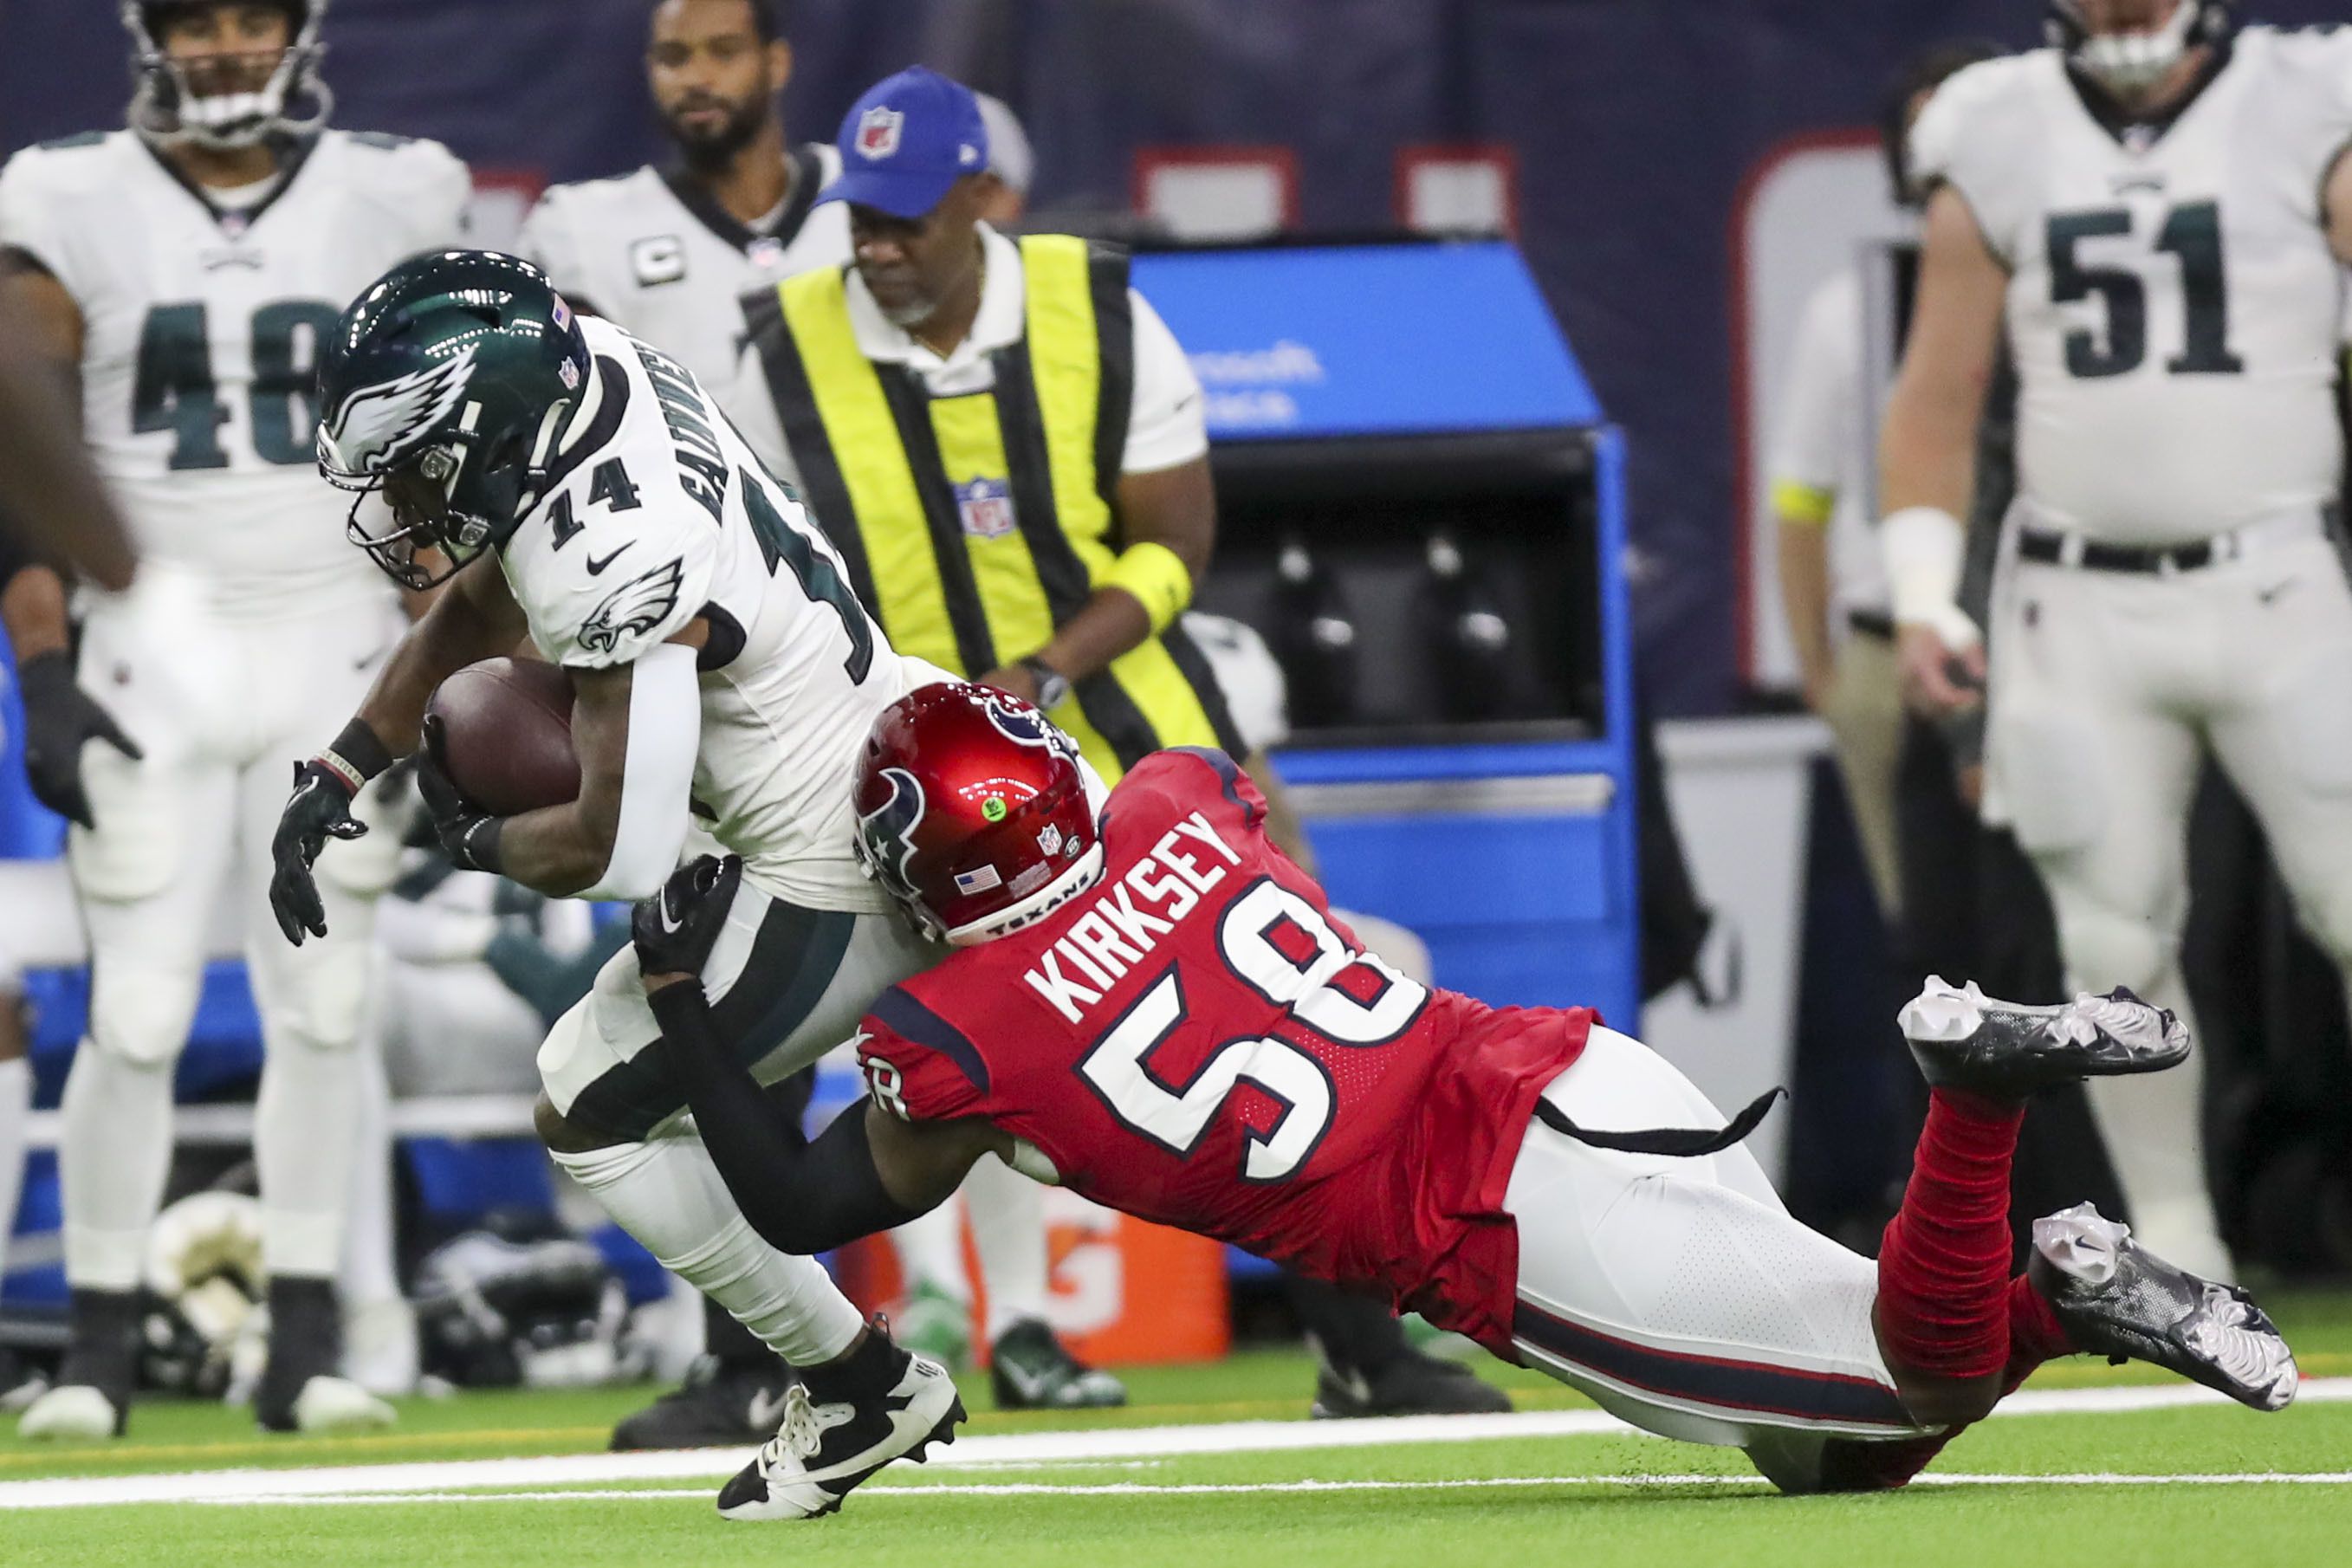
pixel 469 835
pixel 319 809
pixel 60 719
pixel 676 928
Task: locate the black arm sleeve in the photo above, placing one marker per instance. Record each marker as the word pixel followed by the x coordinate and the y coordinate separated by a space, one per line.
pixel 803 1197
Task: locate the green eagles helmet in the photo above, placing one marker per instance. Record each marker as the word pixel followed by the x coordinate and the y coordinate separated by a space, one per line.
pixel 445 387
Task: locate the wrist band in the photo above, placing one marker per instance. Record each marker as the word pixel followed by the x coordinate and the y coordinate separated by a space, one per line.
pixel 481 843
pixel 343 773
pixel 1158 578
pixel 357 751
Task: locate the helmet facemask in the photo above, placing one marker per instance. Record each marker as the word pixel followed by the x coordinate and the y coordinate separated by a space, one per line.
pixel 167 110
pixel 2130 65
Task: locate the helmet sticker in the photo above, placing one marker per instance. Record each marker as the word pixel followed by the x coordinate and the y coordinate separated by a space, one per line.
pixel 978 881
pixel 636 607
pixel 1050 839
pixel 993 808
pixel 377 424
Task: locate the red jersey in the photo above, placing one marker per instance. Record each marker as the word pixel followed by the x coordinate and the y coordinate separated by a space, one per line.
pixel 1198 1043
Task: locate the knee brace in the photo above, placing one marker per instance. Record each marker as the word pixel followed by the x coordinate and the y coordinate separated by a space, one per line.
pixel 140 1015
pixel 314 998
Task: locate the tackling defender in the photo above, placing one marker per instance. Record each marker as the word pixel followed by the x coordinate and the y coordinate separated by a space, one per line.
pixel 574 484
pixel 1154 1006
pixel 182 274
pixel 2158 209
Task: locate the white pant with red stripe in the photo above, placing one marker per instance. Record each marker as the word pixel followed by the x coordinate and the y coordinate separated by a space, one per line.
pixel 1679 1293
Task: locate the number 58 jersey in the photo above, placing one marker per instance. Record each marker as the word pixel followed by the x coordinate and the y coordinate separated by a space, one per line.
pixel 2174 308
pixel 201 325
pixel 1197 1042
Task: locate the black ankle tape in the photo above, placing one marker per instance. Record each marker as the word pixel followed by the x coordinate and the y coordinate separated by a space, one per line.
pixel 871 1368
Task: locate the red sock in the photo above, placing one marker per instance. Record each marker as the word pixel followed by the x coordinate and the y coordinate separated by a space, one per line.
pixel 1943 1269
pixel 2035 1334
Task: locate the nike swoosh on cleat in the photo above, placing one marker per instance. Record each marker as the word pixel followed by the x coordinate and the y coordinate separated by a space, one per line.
pixel 767 1409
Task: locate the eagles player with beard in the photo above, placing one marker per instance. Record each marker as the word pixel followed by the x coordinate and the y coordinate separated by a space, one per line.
pixel 574 484
pixel 182 274
pixel 2160 206
pixel 665 252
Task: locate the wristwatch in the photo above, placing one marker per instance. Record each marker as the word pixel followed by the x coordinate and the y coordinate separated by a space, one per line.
pixel 1053 686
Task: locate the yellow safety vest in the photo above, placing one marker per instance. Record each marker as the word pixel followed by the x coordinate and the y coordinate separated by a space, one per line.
pixel 974 525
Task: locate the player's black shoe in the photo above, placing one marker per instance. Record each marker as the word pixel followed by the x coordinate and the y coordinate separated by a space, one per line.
pixel 2116 1299
pixel 19 1383
pixel 302 1387
pixel 1032 1370
pixel 1964 1039
pixel 842 1423
pixel 718 1406
pixel 90 1400
pixel 1410 1383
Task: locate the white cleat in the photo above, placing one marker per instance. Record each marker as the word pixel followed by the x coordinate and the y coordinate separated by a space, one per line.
pixel 76 1413
pixel 338 1405
pixel 821 1451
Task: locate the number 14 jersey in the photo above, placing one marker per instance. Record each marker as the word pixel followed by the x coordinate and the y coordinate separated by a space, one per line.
pixel 1197 1042
pixel 201 325
pixel 2174 308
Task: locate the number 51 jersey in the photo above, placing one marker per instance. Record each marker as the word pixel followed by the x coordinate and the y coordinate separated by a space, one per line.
pixel 201 330
pixel 2173 305
pixel 1197 1042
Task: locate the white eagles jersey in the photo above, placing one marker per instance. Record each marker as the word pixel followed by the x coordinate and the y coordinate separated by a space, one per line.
pixel 661 514
pixel 202 330
pixel 2173 304
pixel 652 252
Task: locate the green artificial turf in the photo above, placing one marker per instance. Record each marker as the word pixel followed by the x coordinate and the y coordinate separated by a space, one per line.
pixel 1590 1500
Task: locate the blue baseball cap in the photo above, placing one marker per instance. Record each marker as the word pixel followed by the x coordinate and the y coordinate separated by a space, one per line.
pixel 903 144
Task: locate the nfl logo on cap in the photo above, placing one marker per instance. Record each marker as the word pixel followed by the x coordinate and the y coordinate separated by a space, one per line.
pixel 878 132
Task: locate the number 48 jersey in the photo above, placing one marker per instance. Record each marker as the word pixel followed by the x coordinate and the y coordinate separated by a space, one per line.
pixel 202 324
pixel 1197 1042
pixel 2173 304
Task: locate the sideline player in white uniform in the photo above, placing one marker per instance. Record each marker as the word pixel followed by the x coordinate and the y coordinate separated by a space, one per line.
pixel 574 484
pixel 1825 480
pixel 188 270
pixel 665 252
pixel 2162 206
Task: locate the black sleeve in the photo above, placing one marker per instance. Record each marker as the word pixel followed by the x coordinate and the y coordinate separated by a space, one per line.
pixel 803 1197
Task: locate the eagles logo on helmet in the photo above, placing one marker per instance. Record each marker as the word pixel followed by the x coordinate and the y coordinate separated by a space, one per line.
pixel 166 109
pixel 447 386
pixel 973 811
pixel 2128 64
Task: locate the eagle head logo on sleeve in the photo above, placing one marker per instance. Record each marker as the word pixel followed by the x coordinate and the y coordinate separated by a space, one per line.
pixel 377 424
pixel 634 608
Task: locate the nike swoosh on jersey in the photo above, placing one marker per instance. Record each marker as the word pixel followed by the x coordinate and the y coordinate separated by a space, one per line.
pixel 596 567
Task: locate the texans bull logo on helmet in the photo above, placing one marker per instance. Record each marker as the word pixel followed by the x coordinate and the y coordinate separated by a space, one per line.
pixel 1021 723
pixel 886 836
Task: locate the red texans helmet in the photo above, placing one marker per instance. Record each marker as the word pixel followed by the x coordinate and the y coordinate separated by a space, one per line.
pixel 972 810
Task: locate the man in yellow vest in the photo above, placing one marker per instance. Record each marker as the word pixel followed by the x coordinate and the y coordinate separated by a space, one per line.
pixel 1002 438
pixel 1008 447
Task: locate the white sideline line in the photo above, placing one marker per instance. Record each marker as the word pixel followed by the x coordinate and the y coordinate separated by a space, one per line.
pixel 530 1474
pixel 1743 1484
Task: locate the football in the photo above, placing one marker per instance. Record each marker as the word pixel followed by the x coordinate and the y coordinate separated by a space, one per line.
pixel 506 732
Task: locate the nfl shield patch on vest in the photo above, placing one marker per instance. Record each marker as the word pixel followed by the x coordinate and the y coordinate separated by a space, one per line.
pixel 985 507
